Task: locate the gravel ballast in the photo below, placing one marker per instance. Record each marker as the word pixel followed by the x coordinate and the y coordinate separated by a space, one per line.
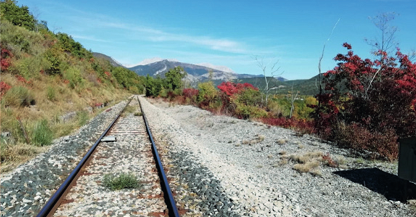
pixel 25 190
pixel 248 161
pixel 223 166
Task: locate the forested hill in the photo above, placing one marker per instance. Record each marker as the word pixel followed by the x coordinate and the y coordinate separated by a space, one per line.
pixel 304 86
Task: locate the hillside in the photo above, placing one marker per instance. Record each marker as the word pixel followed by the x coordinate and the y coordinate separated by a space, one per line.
pixel 44 77
pixel 304 86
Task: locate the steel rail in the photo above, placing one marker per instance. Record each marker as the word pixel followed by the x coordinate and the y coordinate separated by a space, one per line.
pixel 170 202
pixel 52 202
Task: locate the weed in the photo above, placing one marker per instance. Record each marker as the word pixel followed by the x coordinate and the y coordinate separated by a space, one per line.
pixel 281 141
pixel 82 117
pixel 308 162
pixel 260 138
pixel 316 172
pixel 341 160
pixel 51 93
pixel 329 161
pixel 306 167
pixel 124 180
pixel 283 161
pixel 42 133
pixel 246 142
pixel 138 114
pixel 129 109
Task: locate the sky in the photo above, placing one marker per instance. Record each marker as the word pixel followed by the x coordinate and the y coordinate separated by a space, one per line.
pixel 238 34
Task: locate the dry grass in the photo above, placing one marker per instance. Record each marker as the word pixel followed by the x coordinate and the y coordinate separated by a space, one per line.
pixel 63 100
pixel 283 161
pixel 257 139
pixel 307 157
pixel 281 141
pixel 308 162
pixel 307 166
pixel 260 138
pixel 13 155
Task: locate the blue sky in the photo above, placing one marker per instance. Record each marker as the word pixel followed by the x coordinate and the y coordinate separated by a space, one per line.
pixel 227 32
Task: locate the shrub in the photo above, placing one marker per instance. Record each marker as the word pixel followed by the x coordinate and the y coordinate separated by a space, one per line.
pixel 207 92
pixel 249 111
pixel 230 88
pixel 121 181
pixel 361 141
pixel 50 93
pixel 375 99
pixel 74 77
pixel 52 61
pixel 4 87
pixel 42 134
pixel 191 94
pixel 6 60
pixel 251 97
pixel 18 96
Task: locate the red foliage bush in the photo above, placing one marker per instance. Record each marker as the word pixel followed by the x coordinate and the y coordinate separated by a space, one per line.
pixel 6 60
pixel 230 88
pixel 378 97
pixel 4 87
pixel 304 126
pixel 361 141
pixel 190 93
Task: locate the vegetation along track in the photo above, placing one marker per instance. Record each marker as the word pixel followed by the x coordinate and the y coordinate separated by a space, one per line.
pixel 126 162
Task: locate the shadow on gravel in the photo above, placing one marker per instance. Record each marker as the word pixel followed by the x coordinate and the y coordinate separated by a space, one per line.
pixel 389 185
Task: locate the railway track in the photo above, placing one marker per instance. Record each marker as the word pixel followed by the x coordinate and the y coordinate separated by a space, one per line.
pixel 133 153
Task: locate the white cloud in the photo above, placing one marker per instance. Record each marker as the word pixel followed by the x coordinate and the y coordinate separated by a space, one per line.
pixel 94 20
pixel 89 38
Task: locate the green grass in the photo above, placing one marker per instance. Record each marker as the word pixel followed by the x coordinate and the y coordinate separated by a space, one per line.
pixel 129 109
pixel 42 133
pixel 82 117
pixel 51 93
pixel 122 181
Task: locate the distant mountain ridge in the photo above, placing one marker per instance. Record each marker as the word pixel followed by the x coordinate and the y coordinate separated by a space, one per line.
pixel 112 61
pixel 196 72
pixel 201 72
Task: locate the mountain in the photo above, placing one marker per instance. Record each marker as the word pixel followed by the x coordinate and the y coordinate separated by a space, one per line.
pixel 219 68
pixel 111 60
pixel 196 73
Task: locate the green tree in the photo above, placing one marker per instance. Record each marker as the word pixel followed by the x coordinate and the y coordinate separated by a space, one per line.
pixel 68 44
pixel 153 86
pixel 19 16
pixel 174 78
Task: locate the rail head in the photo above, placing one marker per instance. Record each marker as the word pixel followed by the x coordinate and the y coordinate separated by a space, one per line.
pixel 170 202
pixel 52 202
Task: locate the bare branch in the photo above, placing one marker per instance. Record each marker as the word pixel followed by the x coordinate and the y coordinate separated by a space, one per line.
pixel 322 56
pixel 267 71
pixel 387 41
